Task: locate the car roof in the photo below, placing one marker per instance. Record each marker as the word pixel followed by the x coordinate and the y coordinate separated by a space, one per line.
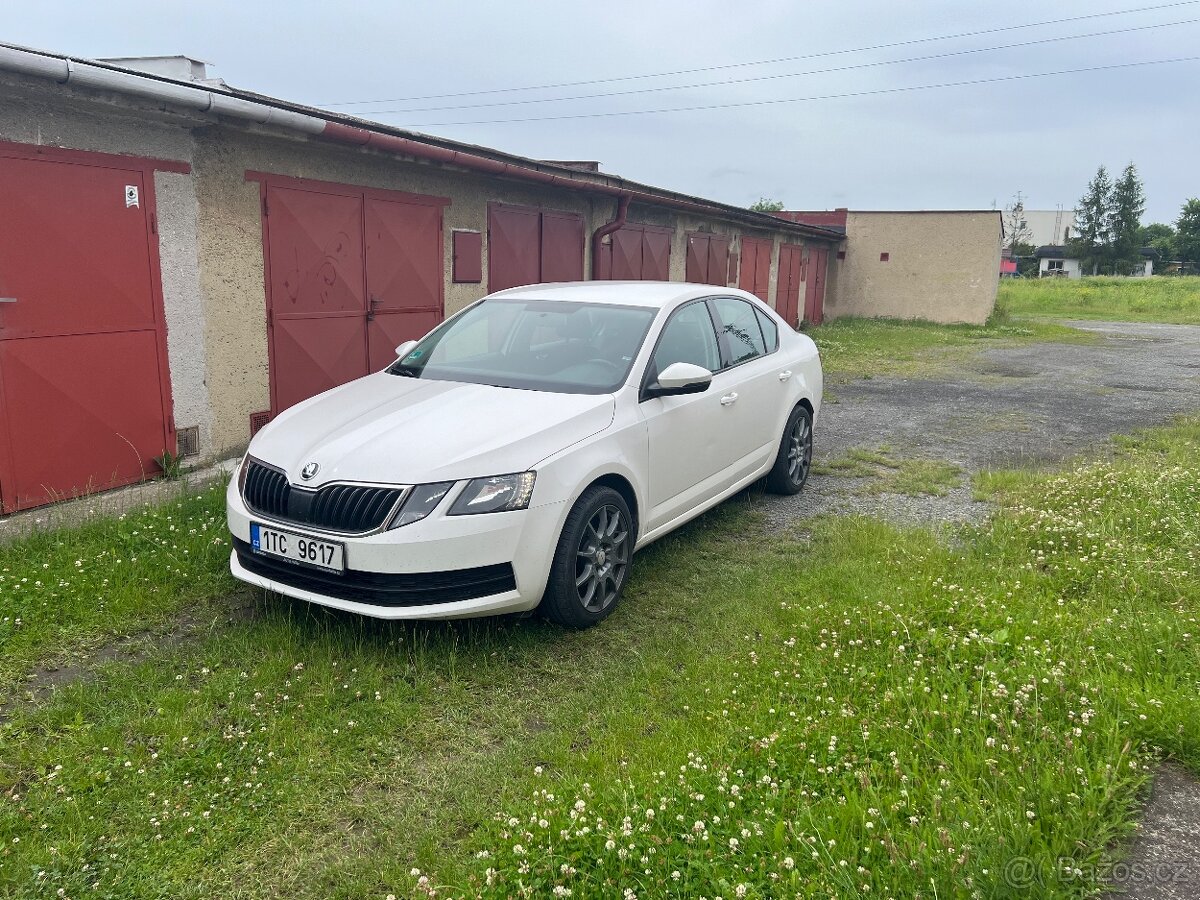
pixel 654 294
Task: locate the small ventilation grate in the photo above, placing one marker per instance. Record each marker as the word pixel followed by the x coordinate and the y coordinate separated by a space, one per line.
pixel 257 421
pixel 188 441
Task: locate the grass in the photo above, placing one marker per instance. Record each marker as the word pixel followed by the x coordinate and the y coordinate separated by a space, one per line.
pixel 67 591
pixel 888 475
pixel 866 348
pixel 1157 299
pixel 867 712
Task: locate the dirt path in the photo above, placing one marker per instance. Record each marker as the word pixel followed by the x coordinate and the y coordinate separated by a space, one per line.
pixel 1020 406
pixel 1005 407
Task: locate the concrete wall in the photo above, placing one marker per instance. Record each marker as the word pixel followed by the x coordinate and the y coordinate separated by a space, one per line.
pixel 941 266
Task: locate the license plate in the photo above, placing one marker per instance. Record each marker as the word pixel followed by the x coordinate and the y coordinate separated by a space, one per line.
pixel 298 548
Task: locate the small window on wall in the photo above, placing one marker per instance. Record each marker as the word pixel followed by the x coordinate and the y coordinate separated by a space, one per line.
pixel 1054 265
pixel 884 257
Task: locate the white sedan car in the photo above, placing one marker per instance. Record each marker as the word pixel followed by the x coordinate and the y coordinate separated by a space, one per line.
pixel 518 455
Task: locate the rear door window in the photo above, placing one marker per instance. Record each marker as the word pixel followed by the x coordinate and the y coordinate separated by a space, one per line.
pixel 738 329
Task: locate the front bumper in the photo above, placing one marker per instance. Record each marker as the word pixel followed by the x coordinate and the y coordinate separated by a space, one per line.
pixel 422 553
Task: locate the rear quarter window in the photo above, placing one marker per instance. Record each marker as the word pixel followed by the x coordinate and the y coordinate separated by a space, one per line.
pixel 769 329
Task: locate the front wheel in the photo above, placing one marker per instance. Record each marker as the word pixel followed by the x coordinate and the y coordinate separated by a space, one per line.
pixel 794 458
pixel 591 563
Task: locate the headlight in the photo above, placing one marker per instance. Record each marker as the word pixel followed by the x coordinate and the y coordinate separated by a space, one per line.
pixel 420 502
pixel 499 493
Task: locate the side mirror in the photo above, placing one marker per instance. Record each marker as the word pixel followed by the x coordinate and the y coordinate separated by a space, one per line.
pixel 402 350
pixel 680 378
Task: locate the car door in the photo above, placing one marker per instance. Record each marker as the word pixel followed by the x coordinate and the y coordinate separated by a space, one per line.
pixel 689 451
pixel 753 386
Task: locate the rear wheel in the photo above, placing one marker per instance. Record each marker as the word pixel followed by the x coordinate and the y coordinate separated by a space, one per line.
pixel 794 458
pixel 591 563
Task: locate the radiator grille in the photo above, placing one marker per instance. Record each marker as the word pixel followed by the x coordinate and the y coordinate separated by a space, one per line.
pixel 349 508
pixel 266 490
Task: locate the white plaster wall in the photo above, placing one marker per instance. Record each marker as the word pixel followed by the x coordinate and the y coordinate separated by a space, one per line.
pixel 177 215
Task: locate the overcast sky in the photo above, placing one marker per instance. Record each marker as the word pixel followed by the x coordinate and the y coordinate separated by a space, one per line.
pixel 956 147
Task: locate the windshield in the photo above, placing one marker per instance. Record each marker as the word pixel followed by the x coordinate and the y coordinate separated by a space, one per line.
pixel 542 345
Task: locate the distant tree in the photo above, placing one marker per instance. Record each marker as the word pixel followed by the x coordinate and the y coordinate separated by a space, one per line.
pixel 1016 226
pixel 1159 236
pixel 1187 233
pixel 1092 222
pixel 1127 204
pixel 767 206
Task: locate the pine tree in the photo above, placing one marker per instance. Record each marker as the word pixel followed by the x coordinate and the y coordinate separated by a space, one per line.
pixel 1128 202
pixel 1092 221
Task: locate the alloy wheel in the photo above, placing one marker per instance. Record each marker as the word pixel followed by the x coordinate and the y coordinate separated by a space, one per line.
pixel 799 451
pixel 602 559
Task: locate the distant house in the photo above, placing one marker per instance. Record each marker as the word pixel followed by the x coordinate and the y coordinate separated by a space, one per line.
pixel 1053 260
pixel 1057 261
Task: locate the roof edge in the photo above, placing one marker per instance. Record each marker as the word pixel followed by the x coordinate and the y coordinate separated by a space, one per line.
pixel 248 106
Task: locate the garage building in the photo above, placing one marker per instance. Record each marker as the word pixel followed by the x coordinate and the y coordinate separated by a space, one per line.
pixel 180 260
pixel 937 265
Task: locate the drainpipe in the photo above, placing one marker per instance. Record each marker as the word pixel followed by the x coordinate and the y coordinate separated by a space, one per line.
pixel 604 231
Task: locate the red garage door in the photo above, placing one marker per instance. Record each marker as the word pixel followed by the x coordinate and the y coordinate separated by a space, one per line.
pixel 756 267
pixel 708 259
pixel 83 373
pixel 636 253
pixel 351 273
pixel 532 246
pixel 787 290
pixel 814 293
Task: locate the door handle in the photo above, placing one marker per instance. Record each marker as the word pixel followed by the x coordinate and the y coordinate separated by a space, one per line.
pixel 729 399
pixel 8 299
pixel 371 304
pixel 784 376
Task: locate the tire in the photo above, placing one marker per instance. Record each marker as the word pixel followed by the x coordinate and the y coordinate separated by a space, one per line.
pixel 794 459
pixel 592 560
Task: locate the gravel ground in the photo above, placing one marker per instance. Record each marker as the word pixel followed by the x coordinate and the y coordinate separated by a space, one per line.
pixel 1020 406
pixel 1006 407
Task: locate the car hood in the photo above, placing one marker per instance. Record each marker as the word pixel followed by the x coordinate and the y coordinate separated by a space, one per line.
pixel 392 429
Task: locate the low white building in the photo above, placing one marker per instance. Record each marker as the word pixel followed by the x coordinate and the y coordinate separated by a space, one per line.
pixel 1056 261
